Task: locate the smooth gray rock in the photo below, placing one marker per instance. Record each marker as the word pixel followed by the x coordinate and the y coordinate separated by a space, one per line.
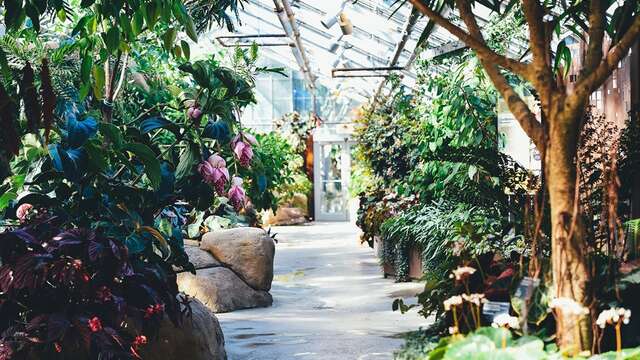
pixel 248 252
pixel 221 290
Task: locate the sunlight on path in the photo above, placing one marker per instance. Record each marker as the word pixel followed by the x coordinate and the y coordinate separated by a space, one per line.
pixel 330 302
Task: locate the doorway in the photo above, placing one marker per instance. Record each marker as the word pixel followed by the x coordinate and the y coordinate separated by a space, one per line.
pixel 332 172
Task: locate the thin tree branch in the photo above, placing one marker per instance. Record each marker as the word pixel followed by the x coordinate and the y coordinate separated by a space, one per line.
pixel 517 106
pixel 474 43
pixel 123 75
pixel 596 35
pixel 534 16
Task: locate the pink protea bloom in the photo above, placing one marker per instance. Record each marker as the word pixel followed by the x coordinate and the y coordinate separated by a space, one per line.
pixel 236 193
pixel 23 211
pixel 214 171
pixel 242 149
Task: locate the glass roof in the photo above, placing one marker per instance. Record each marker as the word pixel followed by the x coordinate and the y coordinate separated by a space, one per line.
pixel 378 27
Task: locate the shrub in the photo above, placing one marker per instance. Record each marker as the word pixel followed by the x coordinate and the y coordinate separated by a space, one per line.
pixel 75 293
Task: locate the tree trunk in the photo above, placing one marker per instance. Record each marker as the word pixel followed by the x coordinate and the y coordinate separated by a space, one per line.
pixel 568 253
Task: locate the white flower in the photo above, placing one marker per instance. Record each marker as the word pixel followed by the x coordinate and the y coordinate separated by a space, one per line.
pixel 613 316
pixel 462 272
pixel 505 320
pixel 476 299
pixel 568 306
pixel 453 330
pixel 452 302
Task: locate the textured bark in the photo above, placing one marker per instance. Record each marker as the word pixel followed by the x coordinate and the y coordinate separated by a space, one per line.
pixel 568 253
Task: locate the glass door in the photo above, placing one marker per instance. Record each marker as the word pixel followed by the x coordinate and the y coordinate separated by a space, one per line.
pixel 331 180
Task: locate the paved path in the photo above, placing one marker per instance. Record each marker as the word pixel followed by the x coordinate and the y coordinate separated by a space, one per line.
pixel 330 302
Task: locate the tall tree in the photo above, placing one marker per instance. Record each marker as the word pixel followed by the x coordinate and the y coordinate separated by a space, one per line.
pixel 609 29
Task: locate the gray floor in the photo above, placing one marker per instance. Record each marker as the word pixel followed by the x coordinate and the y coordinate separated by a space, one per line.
pixel 330 302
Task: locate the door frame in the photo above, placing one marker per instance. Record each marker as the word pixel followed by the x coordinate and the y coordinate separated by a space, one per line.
pixel 345 160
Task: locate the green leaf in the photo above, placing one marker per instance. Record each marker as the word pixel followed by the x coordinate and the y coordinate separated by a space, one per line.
pixel 97 160
pixel 99 81
pixel 193 229
pixel 188 159
pixel 112 133
pixel 190 28
pixel 158 122
pixel 168 38
pixel 186 50
pixel 149 160
pixel 4 65
pixel 151 14
pixel 137 23
pixel 6 198
pixel 112 39
pixel 86 66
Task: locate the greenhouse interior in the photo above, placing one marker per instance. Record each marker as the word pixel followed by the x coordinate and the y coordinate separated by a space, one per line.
pixel 306 179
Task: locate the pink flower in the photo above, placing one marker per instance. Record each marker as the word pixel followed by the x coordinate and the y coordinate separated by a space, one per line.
pixel 236 193
pixel 242 149
pixel 194 113
pixel 214 171
pixel 23 211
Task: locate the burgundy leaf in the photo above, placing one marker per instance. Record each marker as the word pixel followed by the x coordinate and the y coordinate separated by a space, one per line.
pixel 95 250
pixel 57 327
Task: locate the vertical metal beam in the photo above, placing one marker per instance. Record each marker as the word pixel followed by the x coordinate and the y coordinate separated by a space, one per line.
pixel 408 28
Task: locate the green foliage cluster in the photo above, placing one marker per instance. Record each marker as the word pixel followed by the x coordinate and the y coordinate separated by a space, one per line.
pixel 493 343
pixel 107 123
pixel 440 145
pixel 281 164
pixel 446 233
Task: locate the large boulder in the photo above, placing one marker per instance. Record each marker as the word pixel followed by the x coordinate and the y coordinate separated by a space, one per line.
pixel 201 259
pixel 221 290
pixel 248 252
pixel 199 337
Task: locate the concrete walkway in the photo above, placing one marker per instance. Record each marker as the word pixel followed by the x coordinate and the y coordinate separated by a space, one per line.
pixel 330 302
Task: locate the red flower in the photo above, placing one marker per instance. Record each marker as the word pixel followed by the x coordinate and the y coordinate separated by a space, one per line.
pixel 139 341
pixel 95 324
pixel 77 264
pixel 152 310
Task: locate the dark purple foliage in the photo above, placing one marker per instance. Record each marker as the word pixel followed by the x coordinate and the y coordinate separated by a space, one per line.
pixel 75 294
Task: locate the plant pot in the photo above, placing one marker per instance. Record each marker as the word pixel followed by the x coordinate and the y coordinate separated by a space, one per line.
pixel 388 270
pixel 415 263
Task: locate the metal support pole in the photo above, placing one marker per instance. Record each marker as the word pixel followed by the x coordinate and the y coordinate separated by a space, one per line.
pixel 287 19
pixel 408 29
